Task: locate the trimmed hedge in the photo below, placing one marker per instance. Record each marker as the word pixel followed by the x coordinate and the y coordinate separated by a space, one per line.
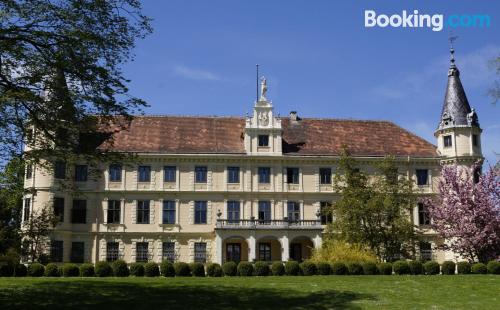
pixel 416 267
pixel 36 270
pixel 197 269
pixel 431 268
pixel 292 268
pixel 120 268
pixel 167 269
pixel 86 270
pixel 463 267
pixel 308 268
pixel 401 267
pixel 479 268
pixel 323 268
pixel 214 270
pixel 261 269
pixel 103 269
pixel 448 267
pixel 182 269
pixel 230 269
pixel 355 268
pixel 6 270
pixel 151 269
pixel 20 270
pixel 137 269
pixel 52 270
pixel 245 269
pixel 493 267
pixel 277 269
pixel 70 270
pixel 370 269
pixel 339 268
pixel 385 269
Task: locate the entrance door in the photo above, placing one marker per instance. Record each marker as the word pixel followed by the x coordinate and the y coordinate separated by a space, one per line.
pixel 233 252
pixel 296 252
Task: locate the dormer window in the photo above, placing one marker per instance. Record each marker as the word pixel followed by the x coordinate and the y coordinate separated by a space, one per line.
pixel 447 141
pixel 263 140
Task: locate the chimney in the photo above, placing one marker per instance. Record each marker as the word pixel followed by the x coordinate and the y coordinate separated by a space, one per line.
pixel 293 116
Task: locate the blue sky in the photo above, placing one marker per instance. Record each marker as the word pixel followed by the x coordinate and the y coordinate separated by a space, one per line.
pixel 319 60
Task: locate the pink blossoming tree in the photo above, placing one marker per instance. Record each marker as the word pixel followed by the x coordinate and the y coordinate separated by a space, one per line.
pixel 467 214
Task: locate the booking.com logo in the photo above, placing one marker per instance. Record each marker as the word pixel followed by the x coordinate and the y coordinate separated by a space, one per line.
pixel 436 22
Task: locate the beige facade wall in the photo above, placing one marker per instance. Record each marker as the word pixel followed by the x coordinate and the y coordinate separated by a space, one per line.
pixel 308 193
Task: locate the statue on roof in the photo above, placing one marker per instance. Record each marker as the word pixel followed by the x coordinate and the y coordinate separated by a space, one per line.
pixel 263 89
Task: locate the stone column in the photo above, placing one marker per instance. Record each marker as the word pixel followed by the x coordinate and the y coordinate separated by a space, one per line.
pixel 317 241
pixel 251 248
pixel 285 249
pixel 218 249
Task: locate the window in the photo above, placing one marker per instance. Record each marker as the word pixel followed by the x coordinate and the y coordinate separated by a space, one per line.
pixel 143 212
pixel 263 140
pixel 114 209
pixel 200 252
pixel 233 252
pixel 423 215
pixel 168 212
pixel 425 251
pixel 325 175
pixel 422 176
pixel 59 208
pixel 169 173
pixel 77 252
pixel 477 175
pixel 264 212
pixel 326 212
pixel 115 173
pixel 200 212
pixel 264 175
pixel 79 211
pixel 168 251
pixel 200 174
pixel 233 211
pixel 292 175
pixel 233 174
pixel 81 172
pixel 293 211
pixel 447 141
pixel 56 251
pixel 60 169
pixel 144 173
pixel 264 252
pixel 475 140
pixel 295 250
pixel 29 171
pixel 142 253
pixel 27 205
pixel 112 251
pixel 391 175
pixel 61 137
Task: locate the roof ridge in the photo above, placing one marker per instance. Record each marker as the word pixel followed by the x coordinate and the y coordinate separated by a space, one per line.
pixel 243 117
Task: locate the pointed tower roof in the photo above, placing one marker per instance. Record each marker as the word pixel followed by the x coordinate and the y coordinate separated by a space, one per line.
pixel 456 109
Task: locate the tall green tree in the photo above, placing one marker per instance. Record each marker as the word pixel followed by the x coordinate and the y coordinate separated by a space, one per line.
pixel 374 210
pixel 60 68
pixel 11 193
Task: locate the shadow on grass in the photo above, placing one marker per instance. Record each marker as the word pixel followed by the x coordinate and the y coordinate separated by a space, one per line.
pixel 118 295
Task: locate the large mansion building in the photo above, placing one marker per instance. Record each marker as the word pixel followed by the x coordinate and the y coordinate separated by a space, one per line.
pixel 236 188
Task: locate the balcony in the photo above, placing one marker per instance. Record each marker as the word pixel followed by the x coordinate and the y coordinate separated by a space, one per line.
pixel 269 224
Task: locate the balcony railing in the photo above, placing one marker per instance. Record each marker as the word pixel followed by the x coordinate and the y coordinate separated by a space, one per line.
pixel 268 224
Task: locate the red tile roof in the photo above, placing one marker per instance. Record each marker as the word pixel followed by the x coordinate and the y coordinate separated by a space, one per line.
pixel 308 136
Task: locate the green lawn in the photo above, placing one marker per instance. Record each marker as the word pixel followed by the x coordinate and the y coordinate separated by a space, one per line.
pixel 317 292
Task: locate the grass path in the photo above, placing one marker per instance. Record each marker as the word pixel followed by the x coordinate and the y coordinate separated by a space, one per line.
pixel 317 292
